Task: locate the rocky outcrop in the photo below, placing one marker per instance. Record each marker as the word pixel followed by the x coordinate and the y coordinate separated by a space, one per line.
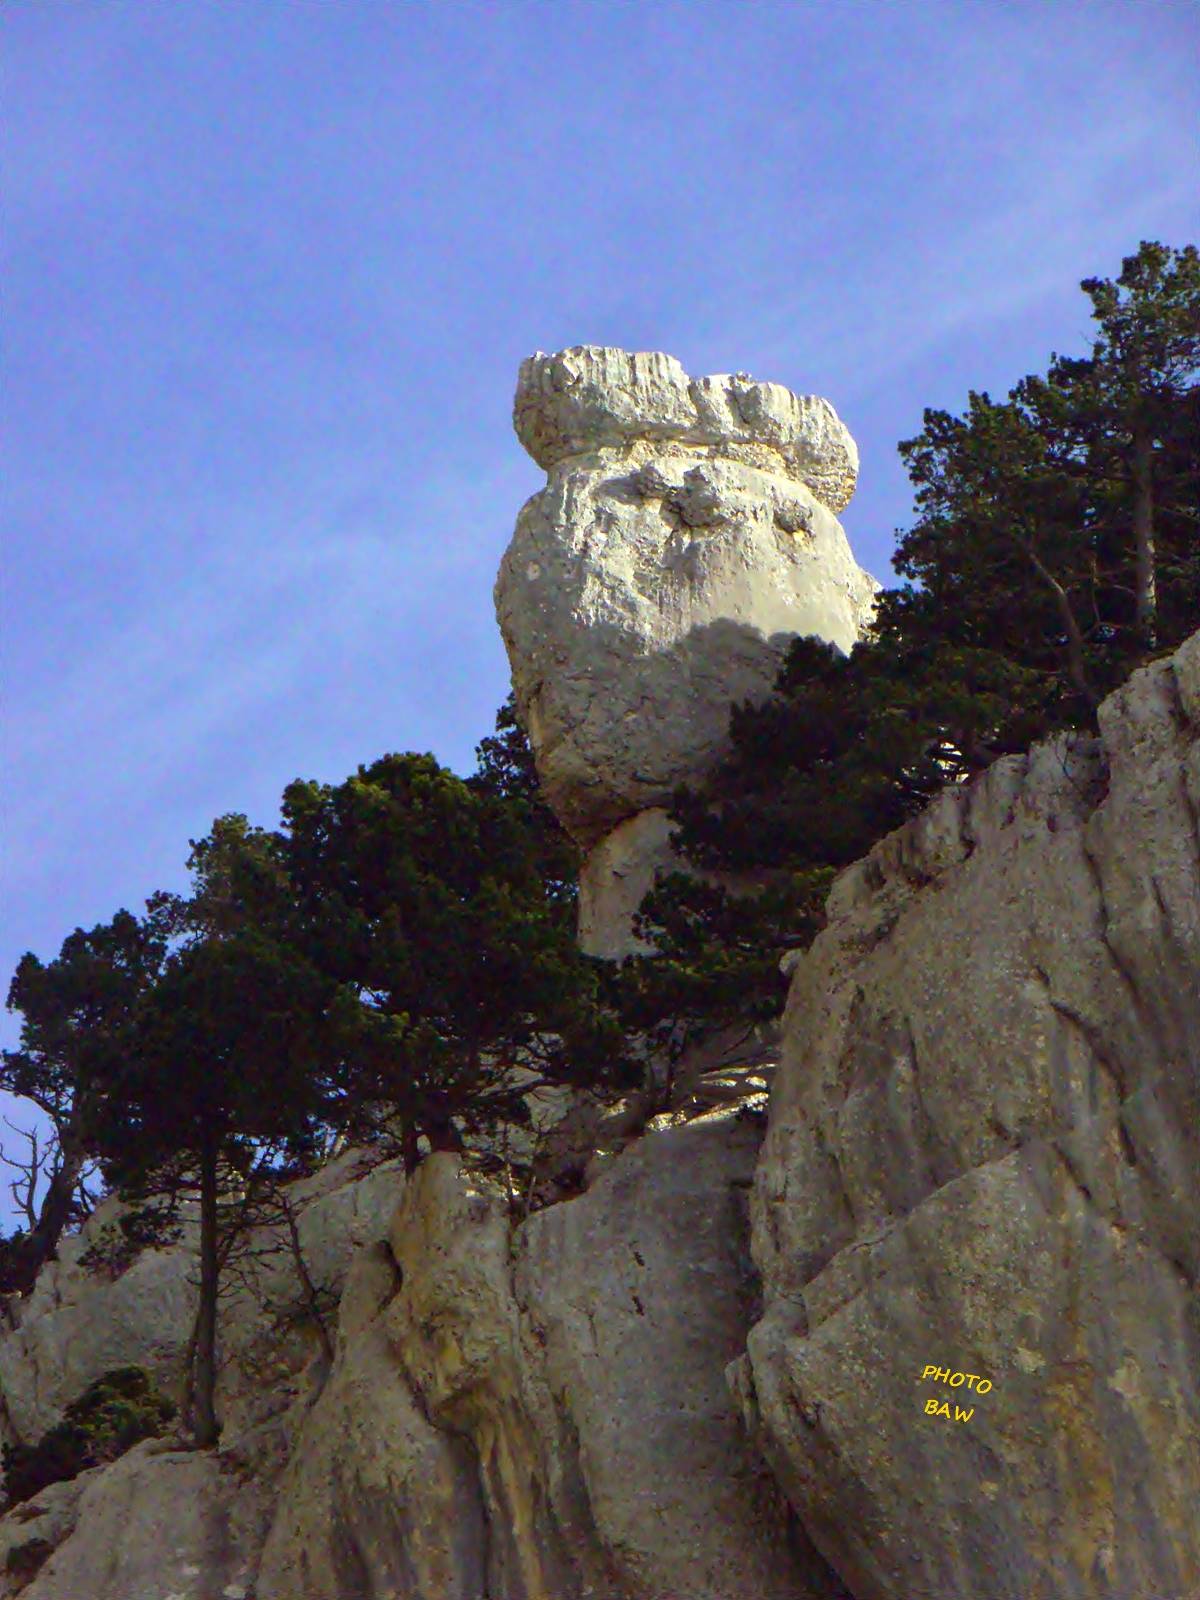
pixel 79 1323
pixel 542 1415
pixel 591 398
pixel 983 1169
pixel 81 1320
pixel 685 536
pixel 375 1499
pixel 156 1525
pixel 533 1412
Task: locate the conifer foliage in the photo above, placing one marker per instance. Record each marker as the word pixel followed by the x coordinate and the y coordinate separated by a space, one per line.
pixel 1056 548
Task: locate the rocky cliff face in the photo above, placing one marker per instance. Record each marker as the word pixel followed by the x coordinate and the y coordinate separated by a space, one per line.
pixel 938 1339
pixel 983 1168
pixel 533 1413
pixel 686 534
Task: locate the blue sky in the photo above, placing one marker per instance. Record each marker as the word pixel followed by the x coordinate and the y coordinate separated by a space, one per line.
pixel 270 266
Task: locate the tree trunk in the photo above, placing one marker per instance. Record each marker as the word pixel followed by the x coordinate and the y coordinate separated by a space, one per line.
pixel 311 1296
pixel 1076 668
pixel 55 1212
pixel 206 1429
pixel 410 1149
pixel 1143 535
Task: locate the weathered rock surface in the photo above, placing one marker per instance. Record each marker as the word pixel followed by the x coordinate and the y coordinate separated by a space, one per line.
pixel 376 1499
pixel 33 1531
pixel 79 1322
pixel 684 537
pixel 591 397
pixel 157 1525
pixel 984 1156
pixel 537 1413
pixel 641 1291
pixel 615 878
pixel 583 1361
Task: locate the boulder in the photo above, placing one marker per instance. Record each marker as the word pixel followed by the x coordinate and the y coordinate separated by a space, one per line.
pixel 685 536
pixel 977 1372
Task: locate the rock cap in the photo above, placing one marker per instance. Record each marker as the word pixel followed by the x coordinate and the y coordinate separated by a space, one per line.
pixel 595 397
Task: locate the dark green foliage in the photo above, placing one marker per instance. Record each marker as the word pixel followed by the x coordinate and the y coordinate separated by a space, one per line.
pixel 77 1015
pixel 224 1078
pixel 1056 547
pixel 112 1415
pixel 14 1262
pixel 506 773
pixel 1059 528
pixel 226 1049
pixel 423 897
pixel 74 1006
pixel 716 960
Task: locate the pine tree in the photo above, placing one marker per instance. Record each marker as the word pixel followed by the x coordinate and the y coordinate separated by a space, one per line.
pixel 76 1011
pixel 423 897
pixel 222 1081
pixel 1055 548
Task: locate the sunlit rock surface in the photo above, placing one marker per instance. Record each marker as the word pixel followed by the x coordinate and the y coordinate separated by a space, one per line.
pixel 686 534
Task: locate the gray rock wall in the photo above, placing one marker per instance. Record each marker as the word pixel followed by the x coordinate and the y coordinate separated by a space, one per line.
pixel 984 1157
pixel 538 1413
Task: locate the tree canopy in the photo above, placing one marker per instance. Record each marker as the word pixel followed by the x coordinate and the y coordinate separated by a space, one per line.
pixel 77 1013
pixel 1056 547
pixel 425 898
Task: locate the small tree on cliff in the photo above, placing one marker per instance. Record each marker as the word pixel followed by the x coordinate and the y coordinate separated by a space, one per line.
pixel 422 897
pixel 76 1016
pixel 223 1082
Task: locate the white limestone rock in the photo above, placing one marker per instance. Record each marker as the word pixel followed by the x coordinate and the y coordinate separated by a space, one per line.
pixel 375 1499
pixel 684 538
pixel 591 397
pixel 615 877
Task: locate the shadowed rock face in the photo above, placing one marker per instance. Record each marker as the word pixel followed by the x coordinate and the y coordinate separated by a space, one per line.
pixel 984 1156
pixel 685 536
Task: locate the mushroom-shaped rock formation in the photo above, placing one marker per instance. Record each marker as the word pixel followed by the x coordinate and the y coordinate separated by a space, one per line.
pixel 685 536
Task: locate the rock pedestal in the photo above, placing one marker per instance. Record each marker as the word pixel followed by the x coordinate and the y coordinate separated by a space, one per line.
pixel 686 535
